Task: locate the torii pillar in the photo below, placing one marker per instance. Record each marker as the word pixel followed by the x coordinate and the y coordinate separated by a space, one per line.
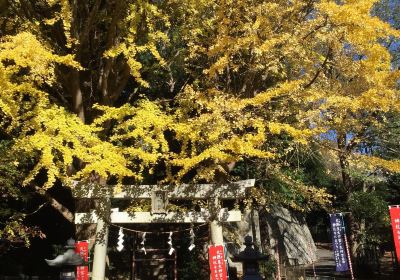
pixel 100 251
pixel 217 237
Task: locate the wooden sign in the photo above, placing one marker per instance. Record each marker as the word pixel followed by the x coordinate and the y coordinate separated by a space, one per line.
pixel 159 202
pixel 216 257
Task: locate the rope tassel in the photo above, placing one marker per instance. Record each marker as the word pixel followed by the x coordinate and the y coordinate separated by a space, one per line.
pixel 142 243
pixel 191 246
pixel 120 244
pixel 171 248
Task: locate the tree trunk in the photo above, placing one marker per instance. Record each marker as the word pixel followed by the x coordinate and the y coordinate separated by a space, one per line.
pixel 77 96
pixel 348 188
pixel 344 164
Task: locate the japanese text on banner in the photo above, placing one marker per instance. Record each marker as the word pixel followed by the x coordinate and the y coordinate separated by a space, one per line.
pixel 395 219
pixel 217 262
pixel 338 242
pixel 82 271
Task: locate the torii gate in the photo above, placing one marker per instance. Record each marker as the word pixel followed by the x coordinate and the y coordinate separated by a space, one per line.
pixel 159 194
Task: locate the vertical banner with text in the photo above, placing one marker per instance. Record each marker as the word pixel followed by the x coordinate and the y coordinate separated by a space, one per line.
pixel 82 249
pixel 338 244
pixel 216 258
pixel 395 218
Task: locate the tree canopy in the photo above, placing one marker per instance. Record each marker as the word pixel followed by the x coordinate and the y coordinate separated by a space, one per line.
pixel 181 91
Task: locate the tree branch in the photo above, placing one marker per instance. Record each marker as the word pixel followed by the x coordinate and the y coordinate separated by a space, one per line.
pixel 65 212
pixel 316 29
pixel 319 70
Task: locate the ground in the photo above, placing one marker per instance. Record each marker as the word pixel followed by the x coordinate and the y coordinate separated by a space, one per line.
pixel 325 267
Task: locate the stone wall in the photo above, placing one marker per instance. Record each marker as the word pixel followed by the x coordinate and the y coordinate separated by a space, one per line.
pixel 286 232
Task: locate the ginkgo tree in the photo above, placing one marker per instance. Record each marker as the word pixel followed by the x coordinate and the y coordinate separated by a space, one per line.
pixel 124 89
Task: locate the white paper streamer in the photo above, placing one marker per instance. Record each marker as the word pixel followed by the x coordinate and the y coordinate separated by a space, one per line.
pixel 120 243
pixel 171 248
pixel 191 246
pixel 142 243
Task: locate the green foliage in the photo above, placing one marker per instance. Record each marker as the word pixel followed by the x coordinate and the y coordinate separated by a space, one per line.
pixel 9 173
pixel 370 211
pixel 301 184
pixel 14 199
pixel 370 206
pixel 268 269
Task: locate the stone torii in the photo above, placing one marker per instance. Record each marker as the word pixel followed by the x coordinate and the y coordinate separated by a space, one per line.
pixel 159 196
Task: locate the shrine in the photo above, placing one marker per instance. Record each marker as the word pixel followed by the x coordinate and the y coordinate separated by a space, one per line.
pixel 215 216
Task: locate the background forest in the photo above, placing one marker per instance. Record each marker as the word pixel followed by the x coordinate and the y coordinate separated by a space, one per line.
pixel 301 95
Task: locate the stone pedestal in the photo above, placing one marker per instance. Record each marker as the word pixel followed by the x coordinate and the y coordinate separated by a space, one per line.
pixel 68 273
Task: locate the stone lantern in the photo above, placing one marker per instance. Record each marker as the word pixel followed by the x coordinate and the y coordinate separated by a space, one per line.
pixel 68 261
pixel 250 257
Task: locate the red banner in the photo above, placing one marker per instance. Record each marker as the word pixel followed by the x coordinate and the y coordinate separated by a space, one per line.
pixel 216 258
pixel 395 217
pixel 82 248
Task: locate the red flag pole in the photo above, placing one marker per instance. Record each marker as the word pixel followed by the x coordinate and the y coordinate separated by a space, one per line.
pixel 347 249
